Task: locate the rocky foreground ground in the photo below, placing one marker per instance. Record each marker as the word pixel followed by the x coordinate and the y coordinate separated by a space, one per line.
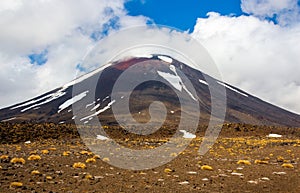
pixel 242 160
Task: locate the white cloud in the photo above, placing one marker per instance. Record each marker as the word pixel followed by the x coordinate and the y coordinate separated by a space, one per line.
pixel 255 55
pixel 6 5
pixel 63 27
pixel 286 11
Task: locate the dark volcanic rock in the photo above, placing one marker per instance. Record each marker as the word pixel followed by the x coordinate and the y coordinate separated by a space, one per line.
pixel 241 107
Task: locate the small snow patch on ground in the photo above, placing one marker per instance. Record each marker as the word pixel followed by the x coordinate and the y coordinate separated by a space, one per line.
pixel 252 182
pixel 187 135
pixel 101 137
pixel 223 175
pixel 236 174
pixel 183 183
pixel 274 135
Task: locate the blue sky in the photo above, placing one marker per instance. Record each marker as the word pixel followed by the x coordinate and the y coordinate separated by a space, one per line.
pixel 38 58
pixel 178 14
pixel 181 14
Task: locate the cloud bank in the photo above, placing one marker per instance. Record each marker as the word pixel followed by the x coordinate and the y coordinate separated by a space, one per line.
pixel 255 55
pixel 60 29
pixel 285 12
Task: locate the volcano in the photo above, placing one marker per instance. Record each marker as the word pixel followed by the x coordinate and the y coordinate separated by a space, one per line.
pixel 57 105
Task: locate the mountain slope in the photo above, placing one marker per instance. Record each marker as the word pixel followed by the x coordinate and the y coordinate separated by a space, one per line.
pixel 56 106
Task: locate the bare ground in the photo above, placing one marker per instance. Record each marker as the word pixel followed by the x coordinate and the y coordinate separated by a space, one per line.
pixel 262 171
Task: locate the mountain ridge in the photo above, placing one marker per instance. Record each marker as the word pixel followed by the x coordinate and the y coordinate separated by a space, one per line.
pixel 241 106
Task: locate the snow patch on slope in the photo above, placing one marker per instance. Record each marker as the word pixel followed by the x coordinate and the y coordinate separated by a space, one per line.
pixel 175 80
pixel 95 107
pixel 223 84
pixel 83 77
pixel 71 101
pixel 143 56
pixel 105 98
pixel 100 111
pixel 203 82
pixel 31 102
pixel 189 93
pixel 88 105
pixel 165 59
pixel 5 120
pixel 50 97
